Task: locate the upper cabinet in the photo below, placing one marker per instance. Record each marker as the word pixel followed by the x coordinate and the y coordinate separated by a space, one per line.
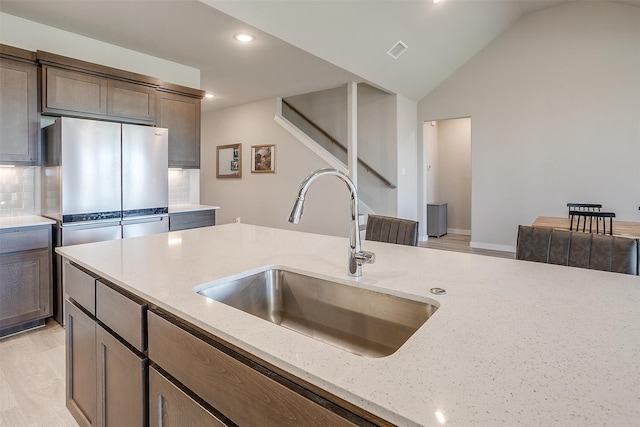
pixel 76 88
pixel 180 114
pixel 20 129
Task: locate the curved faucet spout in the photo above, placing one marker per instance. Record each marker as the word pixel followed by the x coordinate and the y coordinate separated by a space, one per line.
pixel 357 257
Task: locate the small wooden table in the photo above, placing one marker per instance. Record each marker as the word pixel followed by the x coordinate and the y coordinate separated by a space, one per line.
pixel 620 228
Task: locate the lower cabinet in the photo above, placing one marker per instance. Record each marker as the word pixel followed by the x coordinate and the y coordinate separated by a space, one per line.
pixel 169 406
pixel 245 393
pixel 121 378
pixel 106 375
pixel 81 365
pixel 192 219
pixel 26 292
pixel 182 377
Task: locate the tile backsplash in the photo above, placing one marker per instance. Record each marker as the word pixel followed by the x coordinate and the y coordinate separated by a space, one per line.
pixel 20 189
pixel 19 186
pixel 184 186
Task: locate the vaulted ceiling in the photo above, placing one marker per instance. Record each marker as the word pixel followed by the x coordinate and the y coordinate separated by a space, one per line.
pixel 300 46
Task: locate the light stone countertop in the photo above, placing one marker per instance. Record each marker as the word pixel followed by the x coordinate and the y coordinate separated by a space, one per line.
pixel 24 221
pixel 190 207
pixel 513 342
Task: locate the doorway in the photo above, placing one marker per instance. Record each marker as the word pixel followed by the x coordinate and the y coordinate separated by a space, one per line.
pixel 447 165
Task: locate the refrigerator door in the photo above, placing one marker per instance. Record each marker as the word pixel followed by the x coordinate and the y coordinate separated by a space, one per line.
pixel 90 169
pixel 145 226
pixel 145 171
pixel 90 232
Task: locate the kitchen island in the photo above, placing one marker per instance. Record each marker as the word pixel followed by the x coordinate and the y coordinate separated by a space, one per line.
pixel 511 341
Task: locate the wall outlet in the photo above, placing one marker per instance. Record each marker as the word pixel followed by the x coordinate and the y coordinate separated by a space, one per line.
pixel 238 220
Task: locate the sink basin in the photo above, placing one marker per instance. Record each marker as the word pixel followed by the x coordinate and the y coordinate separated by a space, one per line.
pixel 363 322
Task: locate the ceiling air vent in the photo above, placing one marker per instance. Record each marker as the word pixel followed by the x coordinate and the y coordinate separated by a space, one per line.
pixel 397 49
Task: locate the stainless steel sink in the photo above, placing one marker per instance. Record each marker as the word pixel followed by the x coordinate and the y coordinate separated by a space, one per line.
pixel 360 321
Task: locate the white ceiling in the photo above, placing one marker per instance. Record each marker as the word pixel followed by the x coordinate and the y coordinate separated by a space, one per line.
pixel 301 45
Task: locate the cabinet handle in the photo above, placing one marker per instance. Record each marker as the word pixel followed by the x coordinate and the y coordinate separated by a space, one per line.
pixel 103 384
pixel 160 411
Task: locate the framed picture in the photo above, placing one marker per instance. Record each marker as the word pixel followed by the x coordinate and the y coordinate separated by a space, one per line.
pixel 229 163
pixel 263 158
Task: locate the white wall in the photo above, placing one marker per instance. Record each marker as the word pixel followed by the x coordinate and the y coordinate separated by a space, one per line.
pixel 264 198
pixel 33 36
pixel 555 107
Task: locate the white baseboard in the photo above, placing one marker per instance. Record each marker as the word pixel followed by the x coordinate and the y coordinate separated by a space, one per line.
pixel 503 248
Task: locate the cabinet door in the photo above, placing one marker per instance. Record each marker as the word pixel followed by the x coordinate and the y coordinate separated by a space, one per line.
pixel 25 287
pixel 81 365
pixel 181 115
pixel 68 92
pixel 131 101
pixel 169 406
pixel 20 129
pixel 121 378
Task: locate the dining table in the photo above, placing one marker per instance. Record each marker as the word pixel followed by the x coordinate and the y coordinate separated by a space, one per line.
pixel 620 228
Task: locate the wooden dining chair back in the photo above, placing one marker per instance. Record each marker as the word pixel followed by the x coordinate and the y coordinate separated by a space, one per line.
pixel 587 217
pixel 392 230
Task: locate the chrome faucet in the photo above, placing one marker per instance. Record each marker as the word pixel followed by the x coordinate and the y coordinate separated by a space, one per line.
pixel 357 256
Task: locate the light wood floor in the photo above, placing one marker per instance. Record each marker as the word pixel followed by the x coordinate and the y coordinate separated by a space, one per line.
pixel 32 367
pixel 32 379
pixel 461 243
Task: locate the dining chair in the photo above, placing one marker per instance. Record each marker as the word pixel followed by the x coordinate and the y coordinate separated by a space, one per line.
pixel 616 254
pixel 591 217
pixel 584 207
pixel 392 230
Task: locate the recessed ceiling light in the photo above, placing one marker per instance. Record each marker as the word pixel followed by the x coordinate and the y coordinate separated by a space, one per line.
pixel 244 37
pixel 209 95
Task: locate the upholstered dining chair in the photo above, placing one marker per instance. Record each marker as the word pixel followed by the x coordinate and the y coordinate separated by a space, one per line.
pixel 392 230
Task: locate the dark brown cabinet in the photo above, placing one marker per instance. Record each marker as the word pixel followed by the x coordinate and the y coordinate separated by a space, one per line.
pixel 183 376
pixel 192 219
pixel 121 378
pixel 181 115
pixel 76 88
pixel 107 369
pixel 26 292
pixel 81 365
pixel 66 92
pixel 129 100
pixel 169 406
pixel 243 393
pixel 20 129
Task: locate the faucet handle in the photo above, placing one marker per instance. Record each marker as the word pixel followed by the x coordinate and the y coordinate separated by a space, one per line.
pixel 365 257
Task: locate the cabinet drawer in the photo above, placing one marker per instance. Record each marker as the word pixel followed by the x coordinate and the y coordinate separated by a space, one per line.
pixel 186 220
pixel 122 315
pixel 24 239
pixel 80 286
pixel 239 392
pixel 171 407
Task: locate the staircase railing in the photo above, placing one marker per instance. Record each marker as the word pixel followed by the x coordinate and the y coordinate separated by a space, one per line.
pixel 337 143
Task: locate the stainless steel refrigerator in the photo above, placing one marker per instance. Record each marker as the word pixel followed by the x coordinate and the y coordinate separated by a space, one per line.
pixel 103 181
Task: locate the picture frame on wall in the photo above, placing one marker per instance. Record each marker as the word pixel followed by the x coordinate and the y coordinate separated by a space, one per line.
pixel 263 158
pixel 229 161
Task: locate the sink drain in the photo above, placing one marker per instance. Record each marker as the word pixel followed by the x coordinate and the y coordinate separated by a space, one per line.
pixel 438 291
